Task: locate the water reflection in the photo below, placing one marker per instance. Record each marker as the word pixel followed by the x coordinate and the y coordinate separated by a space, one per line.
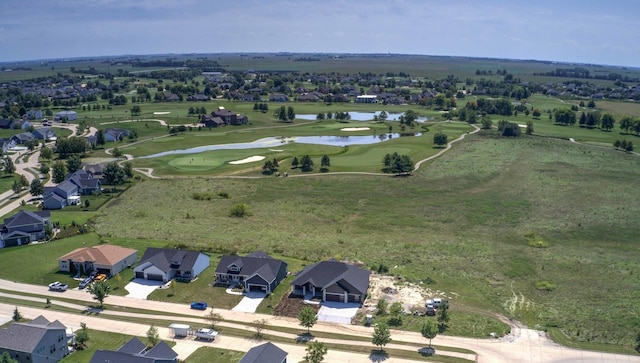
pixel 268 142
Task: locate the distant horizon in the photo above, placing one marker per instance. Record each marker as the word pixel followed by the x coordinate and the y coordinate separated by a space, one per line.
pixel 115 56
pixel 567 31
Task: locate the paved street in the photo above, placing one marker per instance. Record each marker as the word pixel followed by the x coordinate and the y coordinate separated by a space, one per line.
pixel 523 345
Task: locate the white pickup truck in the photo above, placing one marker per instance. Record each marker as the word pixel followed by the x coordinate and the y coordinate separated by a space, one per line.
pixel 207 334
pixel 58 286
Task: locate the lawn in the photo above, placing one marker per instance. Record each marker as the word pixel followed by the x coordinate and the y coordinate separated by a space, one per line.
pixel 209 354
pixel 460 225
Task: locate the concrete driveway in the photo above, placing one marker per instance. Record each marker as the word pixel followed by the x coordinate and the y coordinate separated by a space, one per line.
pixel 141 288
pixel 250 302
pixel 336 312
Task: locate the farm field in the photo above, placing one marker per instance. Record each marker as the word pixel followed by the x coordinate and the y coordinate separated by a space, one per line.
pixel 532 228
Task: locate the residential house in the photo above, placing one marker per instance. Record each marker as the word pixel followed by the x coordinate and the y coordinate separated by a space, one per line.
pixel 44 133
pixel 163 264
pixel 211 121
pixel 92 140
pixel 115 134
pixel 255 271
pixel 367 99
pixel 34 114
pixel 309 97
pixel 332 281
pixel 170 97
pixel 24 227
pixel 198 97
pixel 6 144
pixel 228 117
pixel 66 116
pixel 265 353
pixel 86 183
pixel 135 351
pixel 279 97
pixel 22 138
pixel 62 195
pixel 106 259
pixel 6 123
pixel 37 341
pixel 96 170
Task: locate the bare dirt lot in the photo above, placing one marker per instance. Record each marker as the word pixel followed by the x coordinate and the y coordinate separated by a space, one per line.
pixel 392 289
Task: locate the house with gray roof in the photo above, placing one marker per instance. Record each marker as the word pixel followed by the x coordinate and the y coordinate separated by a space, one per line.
pixel 256 271
pixel 135 351
pixel 22 138
pixel 163 264
pixel 24 227
pixel 62 195
pixel 44 133
pixel 115 134
pixel 265 353
pixel 86 183
pixel 66 116
pixel 38 341
pixel 332 280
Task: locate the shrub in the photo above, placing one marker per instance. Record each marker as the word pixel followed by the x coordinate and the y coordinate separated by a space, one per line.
pixel 239 210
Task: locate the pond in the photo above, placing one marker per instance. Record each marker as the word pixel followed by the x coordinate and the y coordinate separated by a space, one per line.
pixel 365 116
pixel 279 141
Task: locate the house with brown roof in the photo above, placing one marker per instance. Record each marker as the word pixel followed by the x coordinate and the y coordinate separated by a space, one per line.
pixel 106 259
pixel 37 341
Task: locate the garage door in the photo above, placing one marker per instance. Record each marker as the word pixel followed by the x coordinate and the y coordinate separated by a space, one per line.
pixel 259 288
pixel 154 277
pixel 354 298
pixel 332 297
pixel 139 275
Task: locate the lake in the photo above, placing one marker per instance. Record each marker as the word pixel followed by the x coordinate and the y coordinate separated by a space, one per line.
pixel 269 142
pixel 364 116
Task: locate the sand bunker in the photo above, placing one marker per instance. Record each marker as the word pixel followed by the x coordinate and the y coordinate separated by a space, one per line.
pixel 355 129
pixel 247 160
pixel 276 150
pixel 162 113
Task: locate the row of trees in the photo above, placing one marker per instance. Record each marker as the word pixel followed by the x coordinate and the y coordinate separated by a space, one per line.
pixel 285 114
pixel 397 164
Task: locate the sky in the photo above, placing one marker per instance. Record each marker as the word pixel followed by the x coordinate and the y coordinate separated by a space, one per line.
pixel 577 31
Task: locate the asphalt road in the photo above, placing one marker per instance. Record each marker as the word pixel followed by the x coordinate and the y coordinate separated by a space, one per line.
pixel 523 345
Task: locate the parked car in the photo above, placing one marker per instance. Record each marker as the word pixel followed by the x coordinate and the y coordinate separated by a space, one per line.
pixel 207 334
pixel 431 312
pixel 101 277
pixel 199 305
pixel 58 286
pixel 84 283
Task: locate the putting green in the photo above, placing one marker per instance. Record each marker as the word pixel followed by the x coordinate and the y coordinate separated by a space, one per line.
pixel 193 162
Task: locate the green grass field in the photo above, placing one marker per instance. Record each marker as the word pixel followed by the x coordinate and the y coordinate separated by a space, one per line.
pixel 463 223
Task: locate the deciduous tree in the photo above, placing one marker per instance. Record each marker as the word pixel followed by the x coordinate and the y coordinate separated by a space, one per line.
pixel 59 171
pixel 113 174
pixel 381 336
pixel 315 352
pixel 440 138
pixel 36 187
pixel 429 330
pixel 74 163
pixel 100 290
pixel 307 318
pixel 9 167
